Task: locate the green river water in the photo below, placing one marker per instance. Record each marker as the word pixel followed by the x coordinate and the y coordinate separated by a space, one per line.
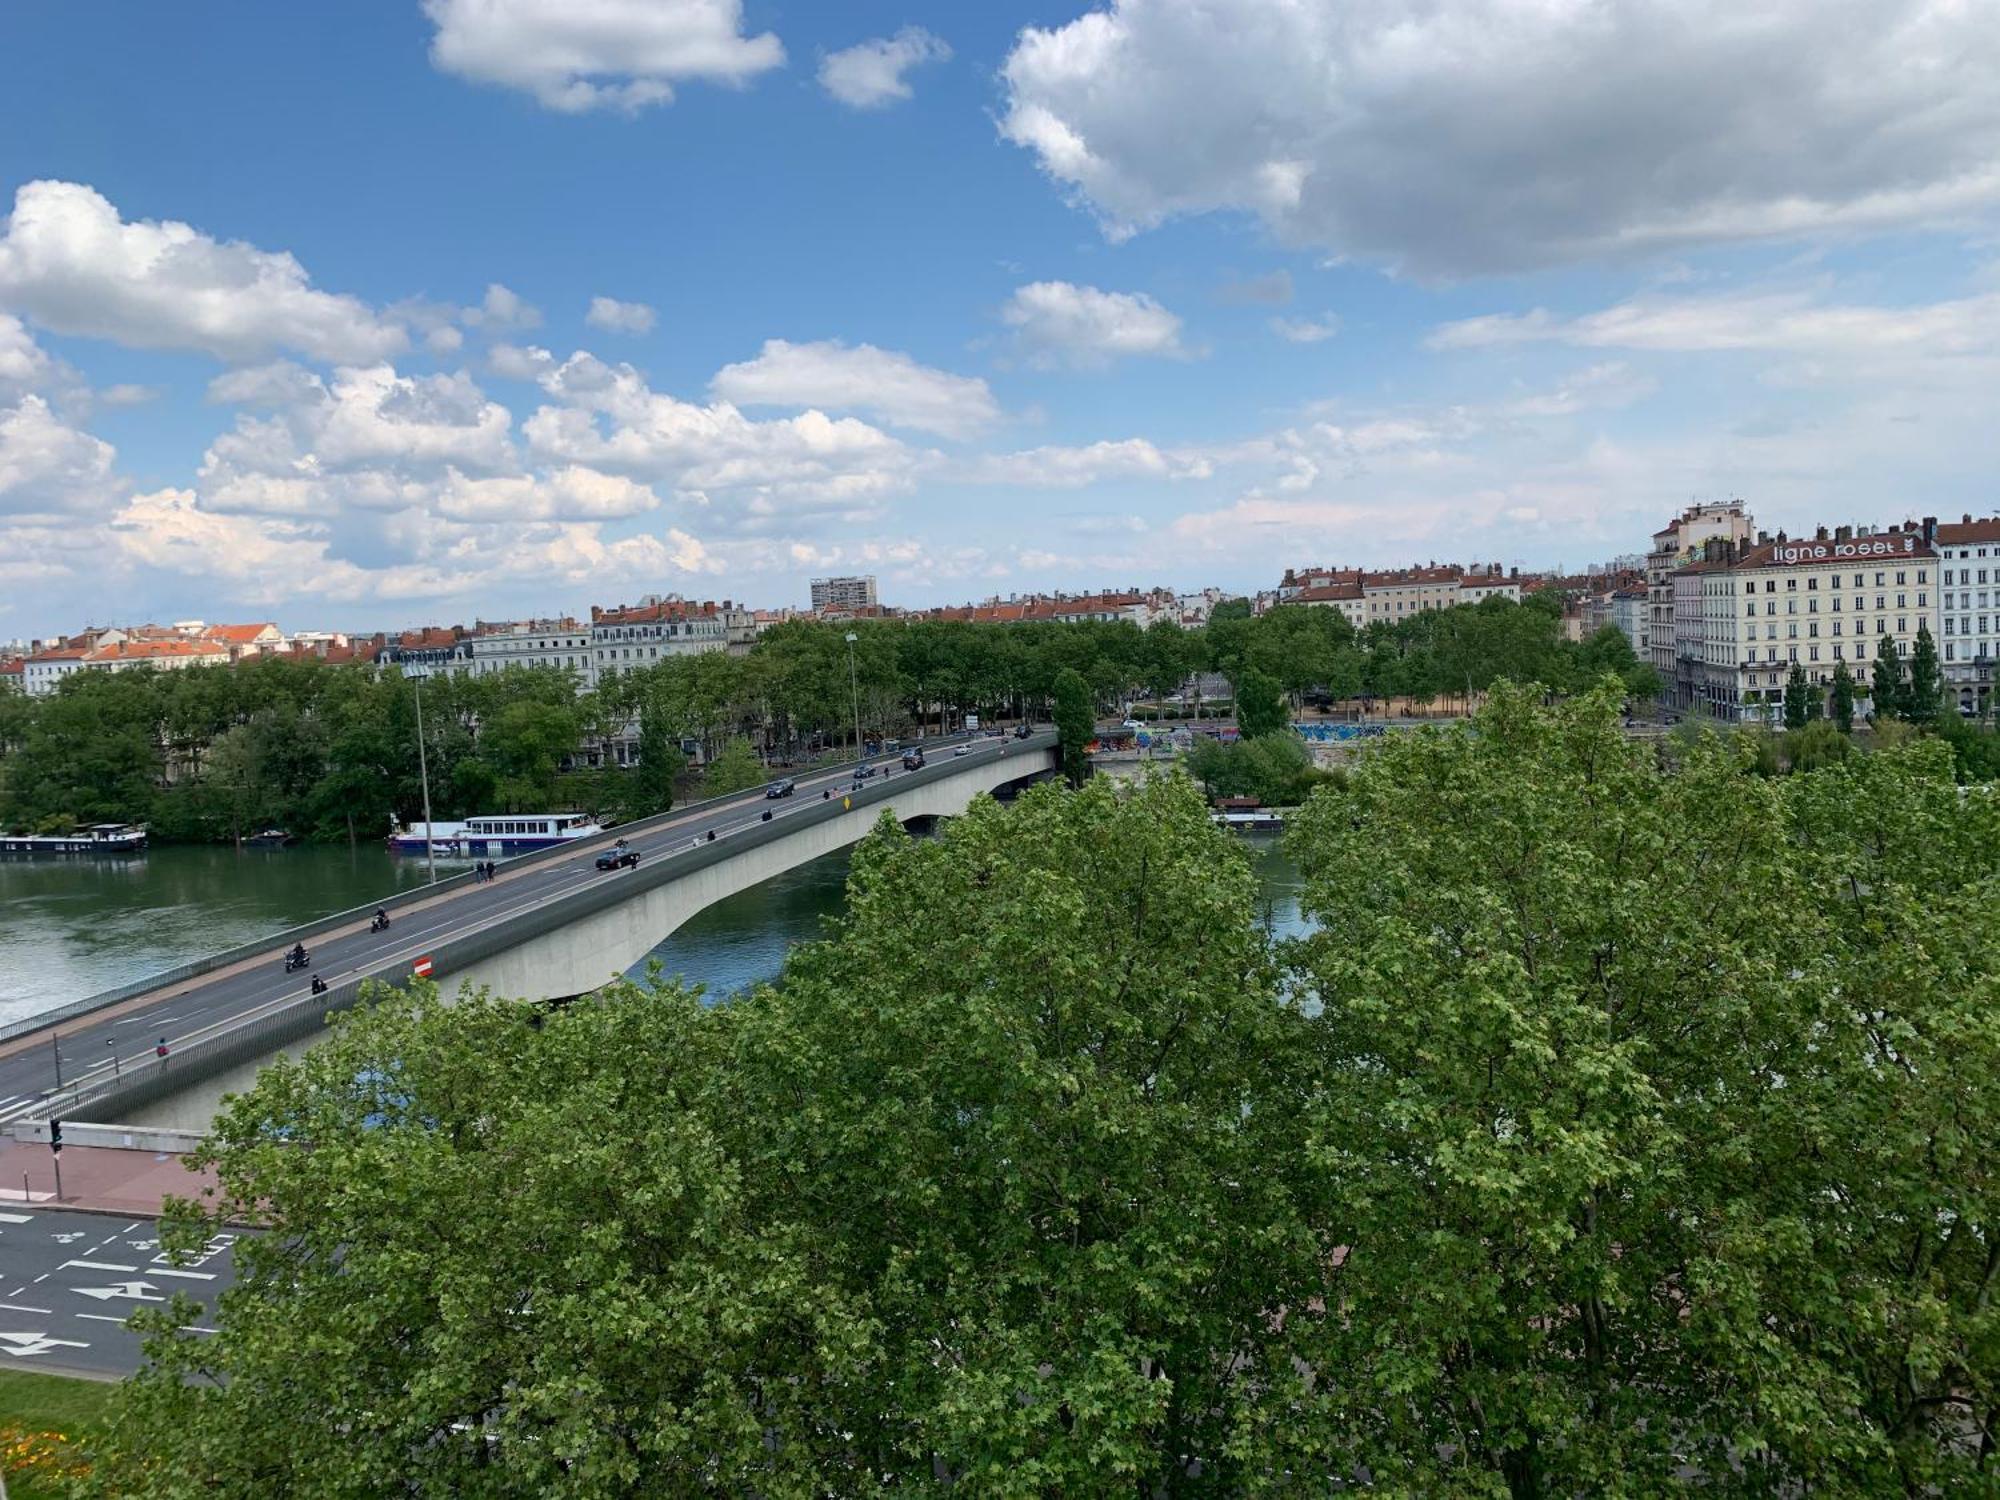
pixel 74 927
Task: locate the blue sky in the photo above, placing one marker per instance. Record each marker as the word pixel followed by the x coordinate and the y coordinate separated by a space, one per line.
pixel 296 301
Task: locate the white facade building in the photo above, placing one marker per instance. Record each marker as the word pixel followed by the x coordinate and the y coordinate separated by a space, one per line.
pixel 1969 642
pixel 626 640
pixel 562 645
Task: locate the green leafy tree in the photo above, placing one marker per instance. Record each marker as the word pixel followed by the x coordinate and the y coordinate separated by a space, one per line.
pixel 1076 723
pixel 1841 699
pixel 999 1191
pixel 1886 680
pixel 1797 711
pixel 1260 710
pixel 1923 691
pixel 736 769
pixel 1646 1080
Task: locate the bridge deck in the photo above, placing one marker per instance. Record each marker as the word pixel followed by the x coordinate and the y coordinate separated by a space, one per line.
pixel 94 1049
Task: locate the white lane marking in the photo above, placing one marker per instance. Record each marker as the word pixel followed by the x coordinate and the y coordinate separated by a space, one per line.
pixel 17 1307
pixel 95 1265
pixel 17 1218
pixel 134 1290
pixel 21 1345
pixel 95 1318
pixel 41 1278
pixel 185 1275
pixel 132 1226
pixel 10 1099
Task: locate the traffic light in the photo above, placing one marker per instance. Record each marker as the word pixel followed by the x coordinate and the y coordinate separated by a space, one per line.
pixel 55 1135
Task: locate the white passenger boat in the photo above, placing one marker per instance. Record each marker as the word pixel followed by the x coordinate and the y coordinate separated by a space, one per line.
pixel 93 838
pixel 505 833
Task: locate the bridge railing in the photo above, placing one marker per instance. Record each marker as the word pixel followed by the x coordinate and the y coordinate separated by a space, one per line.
pixel 400 901
pixel 265 1029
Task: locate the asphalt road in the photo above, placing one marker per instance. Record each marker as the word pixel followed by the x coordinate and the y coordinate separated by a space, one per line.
pixel 128 1033
pixel 68 1282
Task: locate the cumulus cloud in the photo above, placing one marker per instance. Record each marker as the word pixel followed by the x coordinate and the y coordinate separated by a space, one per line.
pixel 502 310
pixel 614 316
pixel 512 362
pixel 607 417
pixel 24 365
pixel 47 466
pixel 880 383
pixel 1059 322
pixel 572 493
pixel 1491 136
pixel 869 75
pixel 70 263
pixel 1057 467
pixel 1306 330
pixel 577 55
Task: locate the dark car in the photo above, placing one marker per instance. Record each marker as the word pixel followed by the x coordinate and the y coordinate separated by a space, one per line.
pixel 783 788
pixel 913 760
pixel 618 857
pixel 1022 731
pixel 862 773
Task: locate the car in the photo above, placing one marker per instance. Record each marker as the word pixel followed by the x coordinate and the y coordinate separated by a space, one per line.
pixel 863 772
pixel 913 760
pixel 620 856
pixel 783 788
pixel 1022 731
pixel 963 750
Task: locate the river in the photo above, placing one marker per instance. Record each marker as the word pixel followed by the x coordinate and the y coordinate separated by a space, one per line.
pixel 73 928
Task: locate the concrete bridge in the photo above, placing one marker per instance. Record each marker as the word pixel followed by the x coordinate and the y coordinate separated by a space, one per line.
pixel 550 925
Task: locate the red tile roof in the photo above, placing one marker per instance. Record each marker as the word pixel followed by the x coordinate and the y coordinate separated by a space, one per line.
pixel 1965 533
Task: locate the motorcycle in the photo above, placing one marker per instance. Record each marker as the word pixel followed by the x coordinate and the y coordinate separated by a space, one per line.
pixel 298 958
pixel 380 924
pixel 318 985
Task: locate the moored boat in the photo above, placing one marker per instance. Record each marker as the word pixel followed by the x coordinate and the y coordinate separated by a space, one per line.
pixel 508 833
pixel 92 838
pixel 269 838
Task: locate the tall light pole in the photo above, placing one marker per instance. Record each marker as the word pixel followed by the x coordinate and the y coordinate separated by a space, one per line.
pixel 424 773
pixel 854 688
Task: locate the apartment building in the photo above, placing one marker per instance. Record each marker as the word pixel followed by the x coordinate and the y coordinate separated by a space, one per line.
pixel 1817 603
pixel 563 645
pixel 854 595
pixel 1681 541
pixel 640 635
pixel 1969 565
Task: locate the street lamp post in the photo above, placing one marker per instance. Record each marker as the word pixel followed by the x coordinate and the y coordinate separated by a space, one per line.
pixel 854 688
pixel 424 774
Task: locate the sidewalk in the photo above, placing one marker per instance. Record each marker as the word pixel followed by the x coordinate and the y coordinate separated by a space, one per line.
pixel 97 1179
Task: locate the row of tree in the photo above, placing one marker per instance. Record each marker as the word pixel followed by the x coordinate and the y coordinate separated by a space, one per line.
pixel 1628 1124
pixel 215 753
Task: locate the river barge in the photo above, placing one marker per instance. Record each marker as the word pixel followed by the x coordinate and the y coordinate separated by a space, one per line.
pixel 93 838
pixel 511 833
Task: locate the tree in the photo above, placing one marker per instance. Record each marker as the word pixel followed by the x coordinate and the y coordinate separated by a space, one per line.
pixel 736 769
pixel 1798 709
pixel 1000 1190
pixel 1923 692
pixel 1841 700
pixel 1614 1150
pixel 1260 710
pixel 1886 681
pixel 1076 723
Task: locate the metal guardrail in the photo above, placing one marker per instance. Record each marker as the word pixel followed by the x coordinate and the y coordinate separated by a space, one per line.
pixel 241 1038
pixel 401 900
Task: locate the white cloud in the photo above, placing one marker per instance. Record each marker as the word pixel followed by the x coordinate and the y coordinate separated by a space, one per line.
pixel 869 75
pixel 1493 135
pixel 881 383
pixel 126 394
pixel 1059 321
pixel 572 493
pixel 503 310
pixel 614 316
pixel 280 383
pixel 1306 330
pixel 72 264
pixel 1792 322
pixel 576 55
pixel 48 467
pixel 1071 468
pixel 607 417
pixel 512 362
pixel 24 365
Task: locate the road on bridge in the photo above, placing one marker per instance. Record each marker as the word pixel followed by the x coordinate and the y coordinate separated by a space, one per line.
pixel 128 1033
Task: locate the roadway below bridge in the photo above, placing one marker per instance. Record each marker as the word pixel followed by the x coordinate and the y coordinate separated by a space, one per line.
pixel 466 928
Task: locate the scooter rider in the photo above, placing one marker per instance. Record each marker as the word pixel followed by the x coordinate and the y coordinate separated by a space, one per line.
pixel 297 958
pixel 318 985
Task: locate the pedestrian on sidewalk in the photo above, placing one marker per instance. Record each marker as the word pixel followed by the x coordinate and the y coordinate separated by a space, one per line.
pixel 161 1051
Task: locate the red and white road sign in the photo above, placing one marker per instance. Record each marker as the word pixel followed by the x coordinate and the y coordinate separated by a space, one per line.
pixel 422 967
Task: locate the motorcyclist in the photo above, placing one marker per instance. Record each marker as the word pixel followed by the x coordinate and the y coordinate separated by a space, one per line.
pixel 381 923
pixel 297 957
pixel 318 985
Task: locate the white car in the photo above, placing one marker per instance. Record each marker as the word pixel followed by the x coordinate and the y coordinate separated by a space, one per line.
pixel 962 750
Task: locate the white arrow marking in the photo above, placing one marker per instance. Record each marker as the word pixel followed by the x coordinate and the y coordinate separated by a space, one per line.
pixel 20 1345
pixel 97 1265
pixel 136 1290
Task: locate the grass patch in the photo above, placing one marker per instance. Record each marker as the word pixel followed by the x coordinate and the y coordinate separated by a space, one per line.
pixel 44 1420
